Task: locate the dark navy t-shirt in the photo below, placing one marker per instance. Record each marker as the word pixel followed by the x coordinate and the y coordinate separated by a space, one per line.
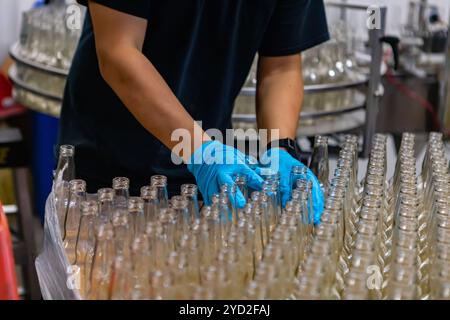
pixel 204 50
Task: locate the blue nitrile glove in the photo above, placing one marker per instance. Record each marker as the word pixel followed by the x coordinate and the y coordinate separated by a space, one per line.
pixel 281 161
pixel 215 164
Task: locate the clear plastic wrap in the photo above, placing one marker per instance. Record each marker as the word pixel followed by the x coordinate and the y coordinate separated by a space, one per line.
pixel 57 278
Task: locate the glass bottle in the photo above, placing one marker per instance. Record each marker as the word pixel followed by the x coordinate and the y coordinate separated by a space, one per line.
pixel 180 205
pixel 136 217
pixel 319 161
pixel 121 186
pixel 160 182
pixel 190 191
pixel 64 173
pixel 72 218
pixel 102 263
pixel 65 170
pixel 271 190
pixel 122 235
pixel 241 182
pixel 85 243
pixel 140 268
pixel 305 187
pixel 106 205
pixel 297 173
pixel 151 203
pixel 121 279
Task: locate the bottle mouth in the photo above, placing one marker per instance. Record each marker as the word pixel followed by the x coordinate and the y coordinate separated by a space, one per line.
pixel 135 204
pixel 89 208
pixel 105 194
pixel 189 189
pixel 299 170
pixel 158 180
pixel 121 183
pixel 149 193
pixel 179 202
pixel 77 185
pixel 66 150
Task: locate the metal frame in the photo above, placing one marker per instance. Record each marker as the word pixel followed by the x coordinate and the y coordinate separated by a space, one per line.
pixel 444 108
pixel 375 89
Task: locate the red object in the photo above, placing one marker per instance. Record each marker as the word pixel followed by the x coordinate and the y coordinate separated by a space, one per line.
pixel 8 282
pixel 8 107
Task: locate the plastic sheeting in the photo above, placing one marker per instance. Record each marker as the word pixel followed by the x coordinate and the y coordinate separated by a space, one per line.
pixel 57 278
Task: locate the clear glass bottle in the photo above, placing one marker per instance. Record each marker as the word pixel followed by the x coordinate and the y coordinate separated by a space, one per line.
pixel 122 235
pixel 180 204
pixel 319 164
pixel 85 243
pixel 190 191
pixel 65 170
pixel 106 205
pixel 297 173
pixel 160 182
pixel 72 218
pixel 121 279
pixel 136 217
pixel 121 186
pixel 102 263
pixel 241 182
pixel 151 203
pixel 305 187
pixel 271 190
pixel 64 173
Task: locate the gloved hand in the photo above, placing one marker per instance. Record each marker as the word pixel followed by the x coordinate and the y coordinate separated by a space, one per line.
pixel 215 164
pixel 281 161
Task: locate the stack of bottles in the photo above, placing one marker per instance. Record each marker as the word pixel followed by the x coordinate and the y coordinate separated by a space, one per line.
pixel 377 239
pixel 49 34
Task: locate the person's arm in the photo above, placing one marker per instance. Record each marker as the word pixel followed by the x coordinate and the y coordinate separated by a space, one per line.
pixel 119 38
pixel 279 94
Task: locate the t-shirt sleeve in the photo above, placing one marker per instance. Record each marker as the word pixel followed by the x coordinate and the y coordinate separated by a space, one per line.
pixel 295 26
pixel 138 8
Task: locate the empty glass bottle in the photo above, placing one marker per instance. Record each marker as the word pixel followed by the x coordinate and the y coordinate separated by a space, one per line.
pixel 190 192
pixel 65 170
pixel 136 217
pixel 85 244
pixel 319 164
pixel 72 217
pixel 160 182
pixel 121 186
pixel 149 195
pixel 102 263
pixel 106 205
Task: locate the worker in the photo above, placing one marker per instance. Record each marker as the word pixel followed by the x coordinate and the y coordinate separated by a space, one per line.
pixel 146 68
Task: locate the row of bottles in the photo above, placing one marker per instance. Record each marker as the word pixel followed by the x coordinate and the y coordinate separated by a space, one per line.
pixel 388 240
pixel 377 239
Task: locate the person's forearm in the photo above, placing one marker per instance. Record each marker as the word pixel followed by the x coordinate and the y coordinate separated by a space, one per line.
pixel 147 96
pixel 279 95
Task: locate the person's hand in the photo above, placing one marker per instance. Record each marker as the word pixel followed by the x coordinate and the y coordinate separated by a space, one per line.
pixel 281 161
pixel 215 164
